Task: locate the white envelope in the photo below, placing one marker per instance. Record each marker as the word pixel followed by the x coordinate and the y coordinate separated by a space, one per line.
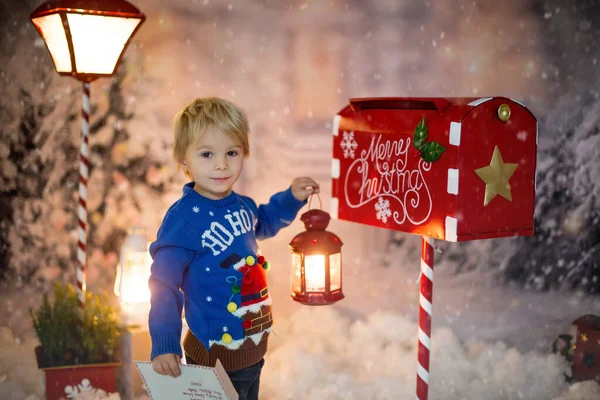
pixel 195 382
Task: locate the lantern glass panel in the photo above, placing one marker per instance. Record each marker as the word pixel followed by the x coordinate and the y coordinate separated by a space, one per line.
pixel 136 272
pixel 54 35
pixel 296 272
pixel 335 271
pixel 314 271
pixel 98 41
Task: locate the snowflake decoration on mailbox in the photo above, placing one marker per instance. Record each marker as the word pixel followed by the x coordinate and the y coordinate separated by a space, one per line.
pixel 383 209
pixel 454 169
pixel 348 144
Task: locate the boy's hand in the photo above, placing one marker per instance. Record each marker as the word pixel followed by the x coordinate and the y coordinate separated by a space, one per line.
pixel 304 187
pixel 167 364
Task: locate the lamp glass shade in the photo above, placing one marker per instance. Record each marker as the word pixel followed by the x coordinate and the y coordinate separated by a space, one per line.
pixel 52 31
pixel 296 272
pixel 98 41
pixel 335 271
pixel 314 270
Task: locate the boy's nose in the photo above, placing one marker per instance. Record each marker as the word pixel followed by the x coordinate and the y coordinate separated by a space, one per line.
pixel 220 163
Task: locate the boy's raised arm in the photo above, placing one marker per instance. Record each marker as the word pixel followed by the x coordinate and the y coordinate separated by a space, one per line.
pixel 283 207
pixel 278 213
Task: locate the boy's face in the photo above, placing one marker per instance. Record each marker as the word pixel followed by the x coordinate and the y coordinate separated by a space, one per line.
pixel 215 163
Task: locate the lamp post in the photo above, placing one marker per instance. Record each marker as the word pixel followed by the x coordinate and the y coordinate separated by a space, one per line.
pixel 316 262
pixel 86 40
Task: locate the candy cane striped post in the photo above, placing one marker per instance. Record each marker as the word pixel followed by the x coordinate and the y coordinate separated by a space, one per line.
pixel 82 206
pixel 425 302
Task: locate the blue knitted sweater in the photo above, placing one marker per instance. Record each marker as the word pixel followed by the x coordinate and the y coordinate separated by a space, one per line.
pixel 205 257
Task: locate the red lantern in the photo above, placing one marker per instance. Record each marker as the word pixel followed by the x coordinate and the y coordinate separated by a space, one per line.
pixel 316 262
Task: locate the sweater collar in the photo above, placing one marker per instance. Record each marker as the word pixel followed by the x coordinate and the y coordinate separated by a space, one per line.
pixel 188 190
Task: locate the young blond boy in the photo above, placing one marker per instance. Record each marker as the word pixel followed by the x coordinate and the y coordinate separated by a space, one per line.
pixel 205 255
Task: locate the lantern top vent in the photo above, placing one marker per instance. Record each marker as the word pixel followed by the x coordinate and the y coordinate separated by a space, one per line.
pixel 315 220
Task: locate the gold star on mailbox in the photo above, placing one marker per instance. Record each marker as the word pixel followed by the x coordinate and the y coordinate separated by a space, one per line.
pixel 496 177
pixel 584 337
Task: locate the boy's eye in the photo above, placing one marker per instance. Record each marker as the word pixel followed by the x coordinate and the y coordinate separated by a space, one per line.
pixel 206 154
pixel 232 153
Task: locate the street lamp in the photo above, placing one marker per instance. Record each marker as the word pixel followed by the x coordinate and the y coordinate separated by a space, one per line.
pixel 86 39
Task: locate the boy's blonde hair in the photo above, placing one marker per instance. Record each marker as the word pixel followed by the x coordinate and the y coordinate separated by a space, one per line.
pixel 192 121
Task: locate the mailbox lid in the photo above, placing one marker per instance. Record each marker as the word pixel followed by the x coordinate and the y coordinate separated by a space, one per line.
pixel 514 143
pixel 392 114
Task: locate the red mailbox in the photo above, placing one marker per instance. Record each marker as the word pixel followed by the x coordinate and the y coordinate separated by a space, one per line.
pixel 454 169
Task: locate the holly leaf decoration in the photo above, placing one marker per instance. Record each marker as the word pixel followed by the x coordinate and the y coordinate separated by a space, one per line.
pixel 420 136
pixel 432 151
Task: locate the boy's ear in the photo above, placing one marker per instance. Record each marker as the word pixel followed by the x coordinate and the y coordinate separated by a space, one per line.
pixel 183 165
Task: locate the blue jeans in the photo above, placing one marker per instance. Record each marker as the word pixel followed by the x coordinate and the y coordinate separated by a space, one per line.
pixel 246 381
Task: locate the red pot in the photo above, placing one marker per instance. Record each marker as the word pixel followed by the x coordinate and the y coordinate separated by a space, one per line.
pixel 66 382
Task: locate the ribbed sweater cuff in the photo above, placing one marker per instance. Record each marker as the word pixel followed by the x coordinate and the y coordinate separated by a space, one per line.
pixel 289 201
pixel 166 343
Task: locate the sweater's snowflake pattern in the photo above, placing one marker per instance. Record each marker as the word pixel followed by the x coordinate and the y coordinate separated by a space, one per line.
pixel 208 298
pixel 225 329
pixel 207 269
pixel 383 209
pixel 348 144
pixel 212 214
pixel 196 209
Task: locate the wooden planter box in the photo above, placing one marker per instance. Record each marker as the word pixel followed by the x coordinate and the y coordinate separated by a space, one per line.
pixel 66 382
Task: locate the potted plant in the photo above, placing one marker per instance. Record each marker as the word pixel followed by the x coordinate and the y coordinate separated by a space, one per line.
pixel 77 357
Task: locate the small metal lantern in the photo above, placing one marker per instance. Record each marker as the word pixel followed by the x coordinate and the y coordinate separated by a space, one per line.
pixel 316 262
pixel 133 272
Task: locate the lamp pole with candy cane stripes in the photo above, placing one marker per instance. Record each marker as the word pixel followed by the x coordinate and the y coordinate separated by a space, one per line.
pixel 82 204
pixel 425 308
pixel 86 40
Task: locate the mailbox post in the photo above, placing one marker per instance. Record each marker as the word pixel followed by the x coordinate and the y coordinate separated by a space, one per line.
pixel 453 169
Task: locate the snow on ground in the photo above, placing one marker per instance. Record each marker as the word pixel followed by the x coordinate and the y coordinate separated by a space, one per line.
pixel 328 353
pixel 489 341
pixel 321 354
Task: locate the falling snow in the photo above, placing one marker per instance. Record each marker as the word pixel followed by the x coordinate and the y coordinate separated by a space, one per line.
pixel 541 54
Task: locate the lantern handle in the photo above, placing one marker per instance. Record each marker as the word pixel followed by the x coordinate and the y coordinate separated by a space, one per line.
pixel 310 199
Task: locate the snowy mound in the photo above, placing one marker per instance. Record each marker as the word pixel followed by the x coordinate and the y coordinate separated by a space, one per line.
pixel 319 354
